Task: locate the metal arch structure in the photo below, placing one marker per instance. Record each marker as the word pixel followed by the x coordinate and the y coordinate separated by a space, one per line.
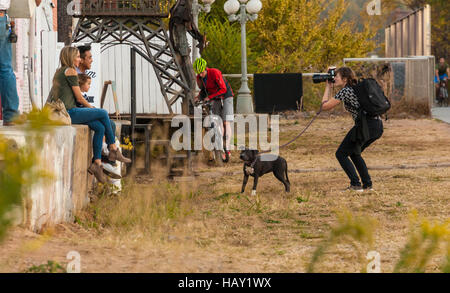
pixel 125 22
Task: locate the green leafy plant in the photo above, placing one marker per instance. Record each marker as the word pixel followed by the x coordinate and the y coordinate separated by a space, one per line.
pixel 18 171
pixel 50 267
pixel 424 242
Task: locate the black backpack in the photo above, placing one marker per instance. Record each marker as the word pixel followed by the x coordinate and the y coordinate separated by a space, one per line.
pixel 371 97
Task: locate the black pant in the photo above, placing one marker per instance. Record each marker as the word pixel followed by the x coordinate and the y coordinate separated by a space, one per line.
pixel 347 149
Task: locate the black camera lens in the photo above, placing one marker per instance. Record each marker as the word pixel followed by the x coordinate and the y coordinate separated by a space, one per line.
pixel 323 77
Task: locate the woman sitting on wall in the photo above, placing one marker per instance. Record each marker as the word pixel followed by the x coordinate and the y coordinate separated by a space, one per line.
pixel 66 88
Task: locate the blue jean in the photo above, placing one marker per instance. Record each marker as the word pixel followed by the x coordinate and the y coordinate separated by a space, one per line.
pixel 8 89
pixel 97 120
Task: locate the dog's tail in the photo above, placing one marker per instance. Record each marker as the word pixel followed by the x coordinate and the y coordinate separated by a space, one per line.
pixel 287 178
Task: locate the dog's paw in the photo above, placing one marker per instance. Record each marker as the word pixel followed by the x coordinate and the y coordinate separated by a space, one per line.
pixel 253 192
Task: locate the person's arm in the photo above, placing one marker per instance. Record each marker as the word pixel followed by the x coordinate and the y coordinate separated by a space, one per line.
pixel 437 74
pixel 202 94
pixel 76 89
pixel 327 103
pixel 222 87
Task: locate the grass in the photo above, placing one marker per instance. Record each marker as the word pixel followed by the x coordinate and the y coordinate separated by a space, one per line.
pixel 209 226
pixel 148 208
pixel 50 267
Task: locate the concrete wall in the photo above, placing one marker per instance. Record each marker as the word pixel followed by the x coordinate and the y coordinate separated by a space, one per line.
pixel 66 154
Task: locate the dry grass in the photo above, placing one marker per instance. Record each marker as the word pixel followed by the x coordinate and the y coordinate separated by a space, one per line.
pixel 403 109
pixel 207 226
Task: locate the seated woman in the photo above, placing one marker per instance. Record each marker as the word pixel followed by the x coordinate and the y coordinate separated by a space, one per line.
pixel 66 88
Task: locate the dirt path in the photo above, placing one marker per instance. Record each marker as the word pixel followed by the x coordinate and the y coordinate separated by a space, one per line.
pixel 207 226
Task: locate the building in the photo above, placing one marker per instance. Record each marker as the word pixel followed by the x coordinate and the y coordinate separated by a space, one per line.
pixel 27 52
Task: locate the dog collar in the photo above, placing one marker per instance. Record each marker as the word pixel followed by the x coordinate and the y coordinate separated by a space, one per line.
pixel 250 169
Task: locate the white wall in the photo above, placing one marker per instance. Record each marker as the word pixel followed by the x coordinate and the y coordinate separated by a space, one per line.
pixel 40 24
pixel 115 66
pixel 149 99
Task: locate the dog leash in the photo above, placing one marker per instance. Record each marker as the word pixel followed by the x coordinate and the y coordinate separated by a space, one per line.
pixel 303 131
pixel 251 169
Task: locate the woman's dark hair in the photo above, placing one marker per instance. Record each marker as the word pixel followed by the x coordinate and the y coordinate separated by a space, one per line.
pixel 83 78
pixel 347 72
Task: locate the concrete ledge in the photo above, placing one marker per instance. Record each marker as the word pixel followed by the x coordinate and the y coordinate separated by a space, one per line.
pixel 66 154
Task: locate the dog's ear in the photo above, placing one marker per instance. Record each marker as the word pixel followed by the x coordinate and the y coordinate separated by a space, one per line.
pixel 255 152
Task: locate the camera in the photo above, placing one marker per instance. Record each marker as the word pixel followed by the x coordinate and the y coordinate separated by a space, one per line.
pixel 323 77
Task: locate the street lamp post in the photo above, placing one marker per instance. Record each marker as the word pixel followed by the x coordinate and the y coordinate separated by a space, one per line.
pixel 248 12
pixel 196 9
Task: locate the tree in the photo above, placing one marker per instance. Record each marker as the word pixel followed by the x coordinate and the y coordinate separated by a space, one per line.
pixel 303 35
pixel 224 48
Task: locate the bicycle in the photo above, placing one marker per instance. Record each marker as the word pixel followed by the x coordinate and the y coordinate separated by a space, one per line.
pixel 219 154
pixel 442 93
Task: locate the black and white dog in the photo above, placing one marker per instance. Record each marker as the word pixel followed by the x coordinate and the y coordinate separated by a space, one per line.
pixel 257 165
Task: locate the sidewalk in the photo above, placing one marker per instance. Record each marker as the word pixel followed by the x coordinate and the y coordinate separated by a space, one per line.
pixel 441 113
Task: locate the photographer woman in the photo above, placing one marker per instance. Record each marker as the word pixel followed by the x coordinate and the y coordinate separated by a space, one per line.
pixel 350 147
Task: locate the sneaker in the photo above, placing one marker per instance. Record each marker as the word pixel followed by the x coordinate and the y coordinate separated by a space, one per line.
pixel 354 188
pixel 229 154
pixel 110 171
pixel 368 188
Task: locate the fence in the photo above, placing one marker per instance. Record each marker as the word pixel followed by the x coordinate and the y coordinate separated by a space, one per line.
pixel 411 35
pixel 407 82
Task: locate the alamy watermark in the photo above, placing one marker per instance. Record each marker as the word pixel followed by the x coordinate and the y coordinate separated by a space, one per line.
pixel 256 126
pixel 374 266
pixel 74 7
pixel 74 264
pixel 374 7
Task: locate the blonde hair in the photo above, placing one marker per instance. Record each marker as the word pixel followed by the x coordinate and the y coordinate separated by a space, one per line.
pixel 67 56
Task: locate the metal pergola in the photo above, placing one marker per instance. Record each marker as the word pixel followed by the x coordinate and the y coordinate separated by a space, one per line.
pixel 139 24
